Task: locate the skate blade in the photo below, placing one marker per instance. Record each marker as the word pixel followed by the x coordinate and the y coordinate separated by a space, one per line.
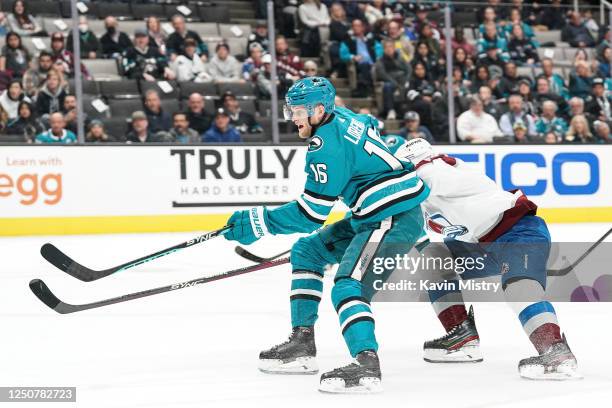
pixel 299 366
pixel 564 372
pixel 466 354
pixel 367 385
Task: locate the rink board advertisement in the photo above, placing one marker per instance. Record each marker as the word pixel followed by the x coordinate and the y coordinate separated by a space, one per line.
pixel 98 189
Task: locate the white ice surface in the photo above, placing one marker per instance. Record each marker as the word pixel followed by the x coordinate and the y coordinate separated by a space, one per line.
pixel 198 347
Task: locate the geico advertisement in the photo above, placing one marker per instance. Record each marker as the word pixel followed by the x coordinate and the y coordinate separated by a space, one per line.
pixel 131 180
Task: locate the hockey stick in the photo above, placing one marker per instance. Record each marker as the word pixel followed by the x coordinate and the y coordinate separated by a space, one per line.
pixel 254 258
pixel 42 291
pixel 63 262
pixel 568 269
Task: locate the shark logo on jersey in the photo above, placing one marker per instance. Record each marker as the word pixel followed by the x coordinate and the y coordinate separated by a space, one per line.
pixel 315 144
pixel 440 225
pixel 391 141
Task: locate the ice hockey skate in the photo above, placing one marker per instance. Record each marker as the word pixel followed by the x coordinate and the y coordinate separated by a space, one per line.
pixel 360 377
pixel 557 363
pixel 460 345
pixel 295 356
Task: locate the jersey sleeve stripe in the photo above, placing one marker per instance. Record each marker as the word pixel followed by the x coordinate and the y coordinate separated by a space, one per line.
pixel 388 201
pixel 378 185
pixel 320 196
pixel 318 201
pixel 310 213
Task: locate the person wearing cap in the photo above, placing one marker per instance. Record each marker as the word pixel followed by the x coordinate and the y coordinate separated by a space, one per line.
pixel 224 67
pixel 413 129
pixel 519 133
pixel 264 83
pixel 97 134
pixel 113 41
pixel 175 44
pixel 90 45
pixel 550 122
pixel 143 61
pixel 64 58
pixel 221 131
pixel 189 67
pixel 259 35
pixel 241 120
pixel 598 104
pixel 516 113
pixel 253 64
pixel 181 132
pixel 140 132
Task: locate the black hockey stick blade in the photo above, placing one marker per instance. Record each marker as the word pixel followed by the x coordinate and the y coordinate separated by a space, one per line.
pixel 66 264
pixel 45 295
pixel 254 258
pixel 568 269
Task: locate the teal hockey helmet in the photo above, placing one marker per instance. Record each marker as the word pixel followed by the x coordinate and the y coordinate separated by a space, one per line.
pixel 310 92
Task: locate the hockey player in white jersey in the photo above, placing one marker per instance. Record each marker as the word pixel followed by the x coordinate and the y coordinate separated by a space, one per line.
pixel 472 212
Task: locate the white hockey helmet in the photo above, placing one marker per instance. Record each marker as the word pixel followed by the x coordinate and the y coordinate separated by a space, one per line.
pixel 415 150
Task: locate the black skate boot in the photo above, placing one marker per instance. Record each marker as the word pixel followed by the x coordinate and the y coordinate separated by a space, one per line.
pixel 295 356
pixel 360 377
pixel 460 345
pixel 556 363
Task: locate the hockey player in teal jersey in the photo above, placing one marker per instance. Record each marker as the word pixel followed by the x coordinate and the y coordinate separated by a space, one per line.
pixel 346 160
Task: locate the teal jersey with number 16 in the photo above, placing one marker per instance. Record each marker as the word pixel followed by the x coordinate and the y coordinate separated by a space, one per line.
pixel 348 160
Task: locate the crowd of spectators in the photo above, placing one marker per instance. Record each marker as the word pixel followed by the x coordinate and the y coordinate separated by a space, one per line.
pixel 505 88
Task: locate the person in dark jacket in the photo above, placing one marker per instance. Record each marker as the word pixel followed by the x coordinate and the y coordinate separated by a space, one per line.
pixel 144 62
pixel 576 33
pixel 14 57
pixel 198 118
pixel 26 124
pixel 522 50
pixel 51 96
pixel 508 83
pixel 158 119
pixel 90 45
pixel 394 73
pixel 243 121
pixel 598 104
pixel 580 80
pixel 175 44
pixel 221 131
pixel 114 42
pixel 141 133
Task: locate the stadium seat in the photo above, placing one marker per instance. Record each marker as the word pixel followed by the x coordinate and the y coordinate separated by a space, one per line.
pixel 102 69
pixel 265 108
pixel 124 107
pixel 142 11
pixel 120 10
pixel 171 106
pixel 124 89
pixel 92 9
pixel 205 29
pixel 238 46
pixel 206 89
pixel 89 87
pixel 548 36
pixel 256 137
pixel 525 71
pixel 247 105
pixel 210 14
pixel 210 104
pixel 146 86
pixel 117 128
pixel 237 88
pixel 229 30
pixel 44 8
pixel 91 111
pixel 12 138
pixel 29 44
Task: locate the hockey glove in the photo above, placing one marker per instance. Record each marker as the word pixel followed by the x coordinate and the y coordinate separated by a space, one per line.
pixel 247 225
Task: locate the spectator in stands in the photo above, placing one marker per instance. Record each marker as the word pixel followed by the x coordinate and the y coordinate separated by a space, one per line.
pixel 550 122
pixel 26 123
pixel 602 132
pixel 393 71
pixel 422 18
pixel 529 102
pixel 580 80
pixel 70 114
pixel 462 61
pixel 338 32
pixel 20 21
pixel 2 24
pixel 224 67
pixel 144 62
pixel 10 99
pixel 198 118
pixel 516 19
pixel 313 15
pixel 221 131
pixel 519 133
pixel 604 60
pixel 264 80
pixel 555 81
pixel 490 16
pixel 181 132
pixel 243 121
pixel 508 83
pixel 481 77
pixel 253 64
pixel 189 67
pixel 157 36
pixel 51 96
pixel 579 131
pixel 428 58
pixel 63 57
pixel 576 33
pixel 175 44
pixel 140 132
pixel 90 45
pixel 401 42
pixel 413 128
pixel 114 42
pixel 260 35
pixel 551 138
pixel 377 10
pixel 158 119
pixel 14 57
pixel 97 134
pixel 35 76
pixel 477 126
pixel 576 105
pixel 311 68
pixel 57 132
pixel 288 64
pixel 489 105
pixel 492 47
pixel 598 104
pixel 428 36
pixel 363 50
pixel 553 16
pixel 522 50
pixel 420 79
pixel 516 114
pixel 543 94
